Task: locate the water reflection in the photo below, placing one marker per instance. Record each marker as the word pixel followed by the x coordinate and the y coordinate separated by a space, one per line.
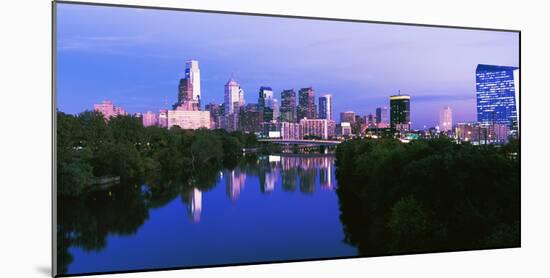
pixel 86 222
pixel 194 207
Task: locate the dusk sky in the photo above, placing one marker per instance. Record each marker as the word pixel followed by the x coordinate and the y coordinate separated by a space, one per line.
pixel 135 57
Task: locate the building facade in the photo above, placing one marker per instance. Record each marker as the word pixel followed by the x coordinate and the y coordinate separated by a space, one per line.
pixel 347 117
pixel 186 119
pixel 193 74
pixel 319 128
pixel 382 117
pixel 149 119
pixel 233 96
pixel 109 110
pixel 400 112
pixel 446 119
pixel 306 104
pixel 291 131
pixel 288 106
pixel 497 95
pixel 265 104
pixel 325 107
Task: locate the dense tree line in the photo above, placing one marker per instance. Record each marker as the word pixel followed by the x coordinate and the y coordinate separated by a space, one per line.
pixel 428 196
pixel 89 147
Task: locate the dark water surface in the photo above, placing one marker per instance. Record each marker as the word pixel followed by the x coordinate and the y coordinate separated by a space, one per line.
pixel 278 208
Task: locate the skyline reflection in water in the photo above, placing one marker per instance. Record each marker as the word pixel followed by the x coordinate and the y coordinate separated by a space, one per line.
pixel 272 208
pixel 295 169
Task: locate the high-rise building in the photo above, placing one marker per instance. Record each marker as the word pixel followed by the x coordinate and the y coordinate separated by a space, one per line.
pixel 265 104
pixel 233 97
pixel 185 96
pixel 109 110
pixel 215 114
pixel 249 118
pixel 149 119
pixel 321 128
pixel 193 74
pixel 348 117
pixel 497 94
pixel 325 107
pixel 400 112
pixel 288 106
pixel 445 119
pixel 276 113
pixel 382 116
pixel 306 104
pixel 185 91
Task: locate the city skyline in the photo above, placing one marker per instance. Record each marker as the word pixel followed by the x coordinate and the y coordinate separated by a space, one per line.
pixel 138 67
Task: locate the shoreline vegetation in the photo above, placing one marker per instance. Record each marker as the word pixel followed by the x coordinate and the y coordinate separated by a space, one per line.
pixel 428 196
pixel 91 150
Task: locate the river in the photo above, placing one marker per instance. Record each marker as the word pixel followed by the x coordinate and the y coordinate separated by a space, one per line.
pixel 277 208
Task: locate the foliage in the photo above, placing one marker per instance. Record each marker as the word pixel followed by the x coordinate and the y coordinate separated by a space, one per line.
pixel 89 146
pixel 428 196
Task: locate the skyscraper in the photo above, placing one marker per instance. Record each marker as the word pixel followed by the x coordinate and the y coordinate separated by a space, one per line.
pixel 276 113
pixel 382 119
pixel 497 91
pixel 265 104
pixel 193 73
pixel 400 112
pixel 288 106
pixel 185 91
pixel 306 103
pixel 446 119
pixel 325 107
pixel 347 117
pixel 233 97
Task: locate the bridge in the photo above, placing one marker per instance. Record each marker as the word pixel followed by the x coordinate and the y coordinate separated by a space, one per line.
pixel 313 142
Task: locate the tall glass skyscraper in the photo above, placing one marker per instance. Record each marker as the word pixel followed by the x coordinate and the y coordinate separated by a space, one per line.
pixel 325 107
pixel 193 73
pixel 497 92
pixel 400 112
pixel 265 104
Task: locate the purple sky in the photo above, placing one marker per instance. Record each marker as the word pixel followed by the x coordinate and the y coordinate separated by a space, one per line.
pixel 136 57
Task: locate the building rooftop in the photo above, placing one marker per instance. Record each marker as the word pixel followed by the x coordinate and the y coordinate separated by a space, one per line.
pixel 483 67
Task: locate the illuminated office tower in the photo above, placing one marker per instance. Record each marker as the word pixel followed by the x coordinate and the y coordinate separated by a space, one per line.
pixel 325 107
pixel 446 119
pixel 400 112
pixel 497 92
pixel 288 106
pixel 306 104
pixel 193 73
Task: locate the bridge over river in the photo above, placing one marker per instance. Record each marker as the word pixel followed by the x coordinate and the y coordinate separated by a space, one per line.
pixel 306 142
